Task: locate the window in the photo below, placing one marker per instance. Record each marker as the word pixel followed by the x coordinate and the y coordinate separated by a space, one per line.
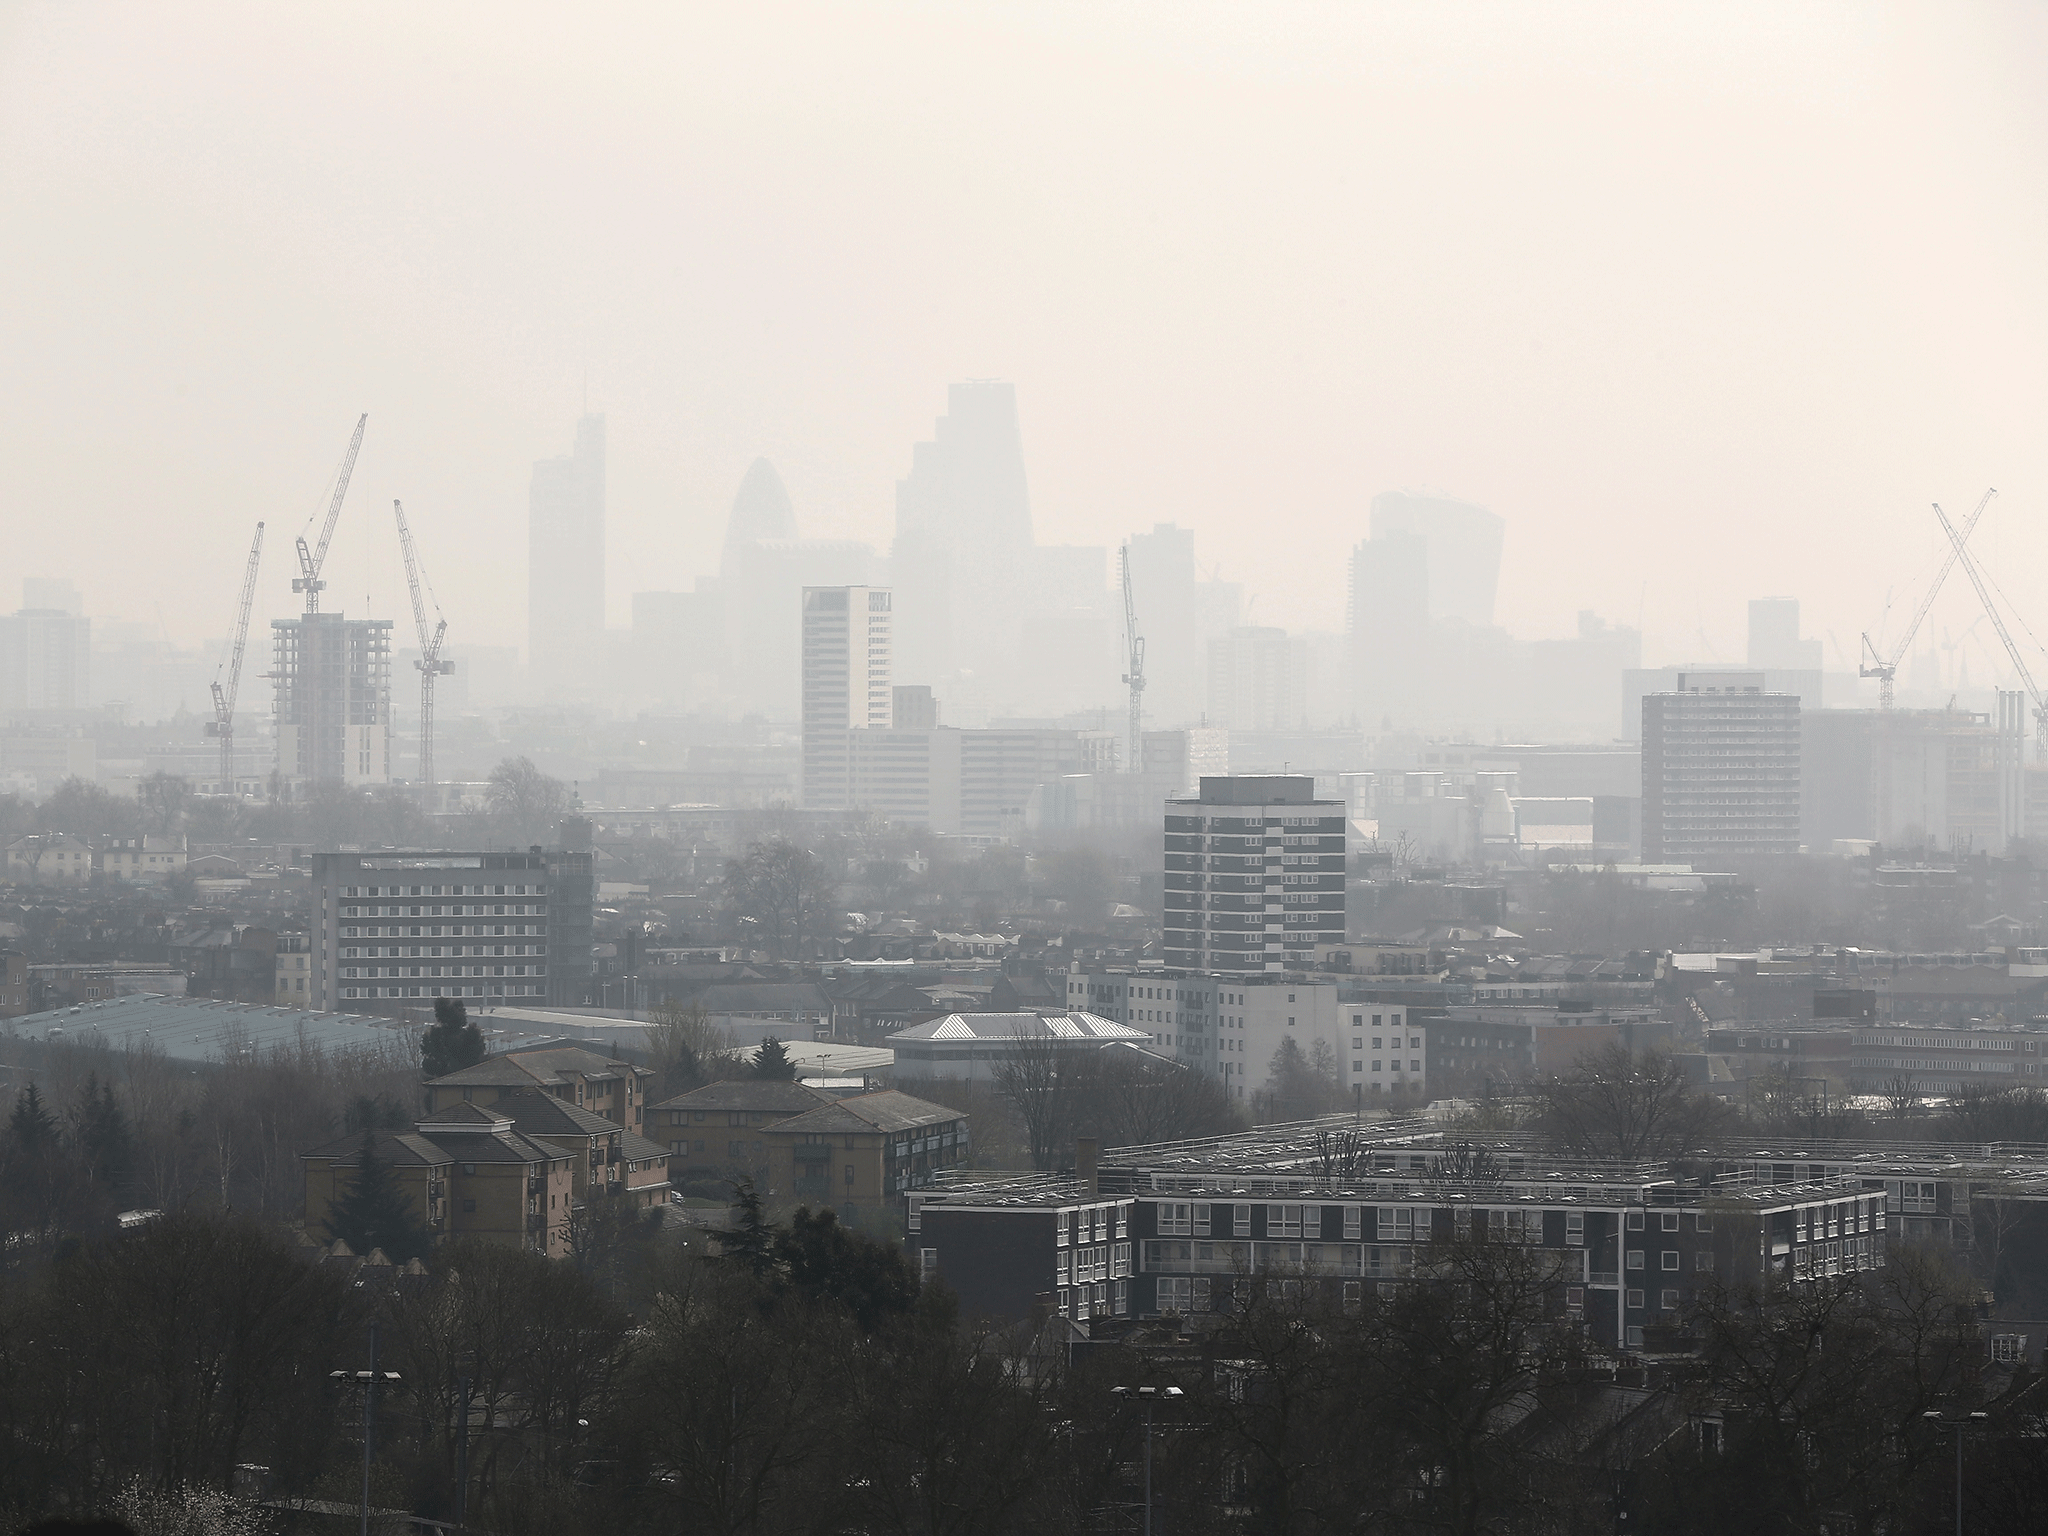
pixel 1175 1220
pixel 469 1169
pixel 927 1264
pixel 469 1207
pixel 1396 1224
pixel 1703 1261
pixel 1671 1259
pixel 1703 1222
pixel 1667 1300
pixel 1635 1258
pixel 1667 1221
pixel 1635 1338
pixel 1201 1221
pixel 1176 1293
pixel 1635 1299
pixel 1353 1222
pixel 2009 1348
pixel 1240 1221
pixel 1284 1221
pixel 1575 1228
pixel 1635 1221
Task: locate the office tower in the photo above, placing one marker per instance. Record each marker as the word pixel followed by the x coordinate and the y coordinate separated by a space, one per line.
pixel 846 661
pixel 1389 624
pixel 45 655
pixel 1463 544
pixel 1255 680
pixel 963 538
pixel 332 680
pixel 1254 875
pixel 393 933
pixel 1774 641
pixel 565 561
pixel 1720 770
pixel 759 592
pixel 912 708
pixel 678 649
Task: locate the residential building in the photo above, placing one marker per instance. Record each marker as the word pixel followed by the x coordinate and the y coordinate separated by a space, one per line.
pixel 1720 769
pixel 294 969
pixel 846 686
pixel 468 1173
pixel 144 860
pixel 913 708
pixel 610 1161
pixel 610 1088
pixel 15 999
pixel 716 1134
pixel 332 699
pixel 62 984
pixel 49 858
pixel 565 601
pixel 45 660
pixel 1008 1253
pixel 1254 875
pixel 1480 1045
pixel 392 929
pixel 869 1149
pixel 908 775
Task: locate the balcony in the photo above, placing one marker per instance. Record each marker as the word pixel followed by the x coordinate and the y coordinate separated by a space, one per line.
pixel 813 1152
pixel 536 1223
pixel 813 1188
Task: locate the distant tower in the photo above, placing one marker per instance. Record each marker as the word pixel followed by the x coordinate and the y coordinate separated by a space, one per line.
pixel 565 558
pixel 846 684
pixel 963 536
pixel 1463 544
pixel 333 699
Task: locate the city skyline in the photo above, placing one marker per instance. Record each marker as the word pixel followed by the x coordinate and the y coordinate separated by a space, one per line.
pixel 1813 376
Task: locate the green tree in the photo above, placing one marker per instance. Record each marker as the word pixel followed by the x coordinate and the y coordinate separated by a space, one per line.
pixel 772 1062
pixel 452 1042
pixel 825 1261
pixel 101 1131
pixel 376 1213
pixel 749 1243
pixel 31 1127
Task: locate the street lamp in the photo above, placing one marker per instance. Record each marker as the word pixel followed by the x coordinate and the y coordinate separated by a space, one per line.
pixel 1967 1421
pixel 1150 1397
pixel 367 1380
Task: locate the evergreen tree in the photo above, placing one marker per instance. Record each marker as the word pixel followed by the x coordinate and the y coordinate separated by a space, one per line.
pixel 376 1213
pixel 750 1242
pixel 773 1062
pixel 102 1131
pixel 453 1042
pixel 31 1127
pixel 830 1262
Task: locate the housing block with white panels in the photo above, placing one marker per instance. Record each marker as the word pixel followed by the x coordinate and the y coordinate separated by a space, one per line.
pixel 1254 875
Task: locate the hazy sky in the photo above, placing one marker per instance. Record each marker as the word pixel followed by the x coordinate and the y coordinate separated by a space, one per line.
pixel 1712 298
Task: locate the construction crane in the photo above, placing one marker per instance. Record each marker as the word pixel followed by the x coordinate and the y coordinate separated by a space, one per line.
pixel 2005 636
pixel 430 663
pixel 223 722
pixel 1135 678
pixel 308 580
pixel 1885 668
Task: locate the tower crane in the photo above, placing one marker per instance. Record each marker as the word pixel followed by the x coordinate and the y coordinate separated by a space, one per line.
pixel 1885 668
pixel 223 722
pixel 2004 635
pixel 1135 678
pixel 308 580
pixel 430 663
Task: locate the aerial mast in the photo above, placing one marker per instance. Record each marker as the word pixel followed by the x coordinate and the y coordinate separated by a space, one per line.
pixel 223 722
pixel 1134 679
pixel 308 580
pixel 430 663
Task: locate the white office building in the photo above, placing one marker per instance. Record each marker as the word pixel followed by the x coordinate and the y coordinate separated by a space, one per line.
pixel 846 685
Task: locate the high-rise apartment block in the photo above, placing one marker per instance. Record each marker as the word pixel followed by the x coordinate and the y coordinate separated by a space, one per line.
pixel 1254 875
pixel 846 684
pixel 1720 769
pixel 332 680
pixel 392 930
pixel 45 659
pixel 565 557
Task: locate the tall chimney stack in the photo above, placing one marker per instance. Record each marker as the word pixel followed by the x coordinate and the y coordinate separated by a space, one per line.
pixel 1087 1153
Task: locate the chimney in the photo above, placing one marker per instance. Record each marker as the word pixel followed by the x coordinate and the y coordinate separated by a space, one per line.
pixel 1087 1152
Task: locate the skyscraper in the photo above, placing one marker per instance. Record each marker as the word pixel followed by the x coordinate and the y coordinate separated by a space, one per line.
pixel 846 686
pixel 46 650
pixel 1463 544
pixel 963 537
pixel 332 678
pixel 1254 875
pixel 565 559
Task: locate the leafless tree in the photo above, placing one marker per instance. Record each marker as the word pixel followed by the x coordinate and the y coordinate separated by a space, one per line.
pixel 784 891
pixel 525 803
pixel 1621 1104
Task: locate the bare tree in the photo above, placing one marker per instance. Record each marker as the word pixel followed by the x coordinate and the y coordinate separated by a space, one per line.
pixel 526 803
pixel 163 798
pixel 1901 1094
pixel 784 891
pixel 1036 1076
pixel 686 1048
pixel 1620 1104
